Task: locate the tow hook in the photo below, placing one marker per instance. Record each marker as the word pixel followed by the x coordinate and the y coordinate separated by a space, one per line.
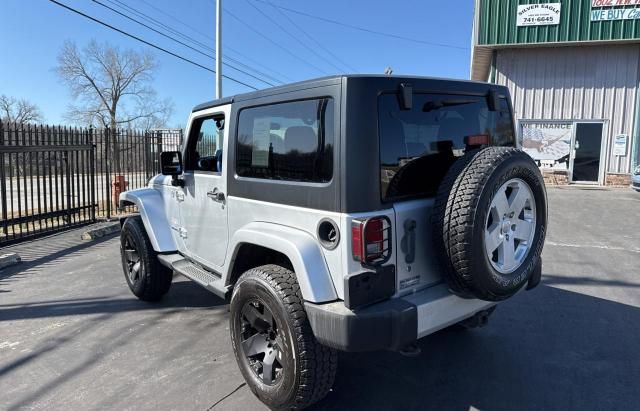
pixel 411 350
pixel 479 319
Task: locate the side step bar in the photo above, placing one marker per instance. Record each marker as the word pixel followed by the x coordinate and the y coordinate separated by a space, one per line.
pixel 209 280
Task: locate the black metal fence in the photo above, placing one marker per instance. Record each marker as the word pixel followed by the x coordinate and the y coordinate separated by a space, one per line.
pixel 47 179
pixel 126 160
pixel 53 177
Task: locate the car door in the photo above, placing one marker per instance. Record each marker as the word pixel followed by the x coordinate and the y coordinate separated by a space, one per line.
pixel 203 210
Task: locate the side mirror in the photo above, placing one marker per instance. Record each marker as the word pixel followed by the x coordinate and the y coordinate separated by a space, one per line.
pixel 171 163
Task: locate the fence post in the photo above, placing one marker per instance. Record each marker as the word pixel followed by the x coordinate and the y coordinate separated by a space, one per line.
pixel 3 182
pixel 145 154
pixel 107 173
pixel 92 174
pixel 67 168
pixel 159 136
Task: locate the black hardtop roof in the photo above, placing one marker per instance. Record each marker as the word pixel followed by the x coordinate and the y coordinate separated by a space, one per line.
pixel 324 81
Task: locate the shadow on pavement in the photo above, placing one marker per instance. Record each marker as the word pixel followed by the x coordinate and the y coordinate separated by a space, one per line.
pixel 564 280
pixel 44 252
pixel 545 349
pixel 183 294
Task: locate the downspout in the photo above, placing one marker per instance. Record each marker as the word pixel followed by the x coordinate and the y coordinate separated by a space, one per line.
pixel 636 125
pixel 636 133
pixel 492 70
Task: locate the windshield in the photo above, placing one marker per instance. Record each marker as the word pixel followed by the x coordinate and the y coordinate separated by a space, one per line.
pixel 418 146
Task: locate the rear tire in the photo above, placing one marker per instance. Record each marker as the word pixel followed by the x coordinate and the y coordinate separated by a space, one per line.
pixel 147 278
pixel 277 353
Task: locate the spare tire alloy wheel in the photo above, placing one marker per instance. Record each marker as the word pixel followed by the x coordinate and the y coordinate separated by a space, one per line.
pixel 489 222
pixel 510 226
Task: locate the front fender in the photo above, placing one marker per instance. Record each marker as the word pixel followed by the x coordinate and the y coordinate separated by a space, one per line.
pixel 300 247
pixel 151 206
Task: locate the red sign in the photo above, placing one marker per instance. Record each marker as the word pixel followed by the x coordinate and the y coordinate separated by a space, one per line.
pixel 613 3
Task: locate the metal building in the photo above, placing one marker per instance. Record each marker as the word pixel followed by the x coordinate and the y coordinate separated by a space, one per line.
pixel 573 68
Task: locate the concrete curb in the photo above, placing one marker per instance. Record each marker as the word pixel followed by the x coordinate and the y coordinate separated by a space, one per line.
pixel 9 259
pixel 99 232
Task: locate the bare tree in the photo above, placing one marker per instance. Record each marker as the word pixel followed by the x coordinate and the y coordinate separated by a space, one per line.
pixel 112 87
pixel 152 122
pixel 19 111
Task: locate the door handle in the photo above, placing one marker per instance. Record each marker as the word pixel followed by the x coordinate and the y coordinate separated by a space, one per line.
pixel 216 195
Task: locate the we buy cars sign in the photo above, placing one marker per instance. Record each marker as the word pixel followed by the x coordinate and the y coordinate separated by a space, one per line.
pixel 613 3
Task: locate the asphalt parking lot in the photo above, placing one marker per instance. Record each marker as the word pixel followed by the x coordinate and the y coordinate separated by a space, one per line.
pixel 73 337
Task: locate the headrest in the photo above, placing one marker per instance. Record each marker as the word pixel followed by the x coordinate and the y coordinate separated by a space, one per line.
pixel 300 138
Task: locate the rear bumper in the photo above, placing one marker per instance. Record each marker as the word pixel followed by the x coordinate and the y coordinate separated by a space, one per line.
pixel 392 324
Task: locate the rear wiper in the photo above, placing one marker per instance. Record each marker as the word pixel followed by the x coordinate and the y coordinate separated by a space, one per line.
pixel 437 105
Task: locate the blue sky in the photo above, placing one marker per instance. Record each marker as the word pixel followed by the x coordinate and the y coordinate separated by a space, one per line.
pixel 32 32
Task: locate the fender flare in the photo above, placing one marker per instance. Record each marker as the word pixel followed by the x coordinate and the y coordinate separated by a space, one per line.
pixel 302 250
pixel 151 207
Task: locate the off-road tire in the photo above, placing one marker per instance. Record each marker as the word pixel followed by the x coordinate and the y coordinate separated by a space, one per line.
pixel 459 216
pixel 311 366
pixel 154 279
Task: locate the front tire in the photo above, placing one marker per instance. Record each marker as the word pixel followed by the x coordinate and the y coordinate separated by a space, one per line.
pixel 147 278
pixel 278 355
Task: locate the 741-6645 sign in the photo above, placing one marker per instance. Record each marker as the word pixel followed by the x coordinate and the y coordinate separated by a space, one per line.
pixel 544 14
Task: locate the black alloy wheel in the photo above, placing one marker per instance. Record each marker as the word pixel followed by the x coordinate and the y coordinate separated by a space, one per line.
pixel 262 342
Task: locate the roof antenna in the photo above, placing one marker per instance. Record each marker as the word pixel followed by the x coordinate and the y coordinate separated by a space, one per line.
pixel 388 71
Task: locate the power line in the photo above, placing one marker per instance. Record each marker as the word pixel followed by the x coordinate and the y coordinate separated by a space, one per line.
pixel 274 43
pixel 319 44
pixel 206 36
pixel 147 43
pixel 163 26
pixel 180 42
pixel 351 26
pixel 292 36
pixel 158 23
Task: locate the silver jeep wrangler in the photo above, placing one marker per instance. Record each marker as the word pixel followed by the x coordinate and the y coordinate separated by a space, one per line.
pixel 351 213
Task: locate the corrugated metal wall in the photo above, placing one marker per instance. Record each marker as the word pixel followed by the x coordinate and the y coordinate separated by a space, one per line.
pixel 576 83
pixel 498 24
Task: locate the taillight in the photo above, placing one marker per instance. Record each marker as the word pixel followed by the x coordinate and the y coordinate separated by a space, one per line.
pixel 371 240
pixel 477 140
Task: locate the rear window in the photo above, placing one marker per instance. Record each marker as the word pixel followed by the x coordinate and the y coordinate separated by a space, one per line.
pixel 290 141
pixel 418 146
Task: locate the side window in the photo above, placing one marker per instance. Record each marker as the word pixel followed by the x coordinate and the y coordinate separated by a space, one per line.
pixel 288 141
pixel 205 144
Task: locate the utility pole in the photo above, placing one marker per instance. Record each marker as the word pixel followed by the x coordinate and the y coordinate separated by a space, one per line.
pixel 218 48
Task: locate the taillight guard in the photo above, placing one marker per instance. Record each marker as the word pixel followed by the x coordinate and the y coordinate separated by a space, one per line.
pixel 371 240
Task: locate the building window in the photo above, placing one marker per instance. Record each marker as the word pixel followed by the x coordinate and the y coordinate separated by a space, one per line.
pixel 548 142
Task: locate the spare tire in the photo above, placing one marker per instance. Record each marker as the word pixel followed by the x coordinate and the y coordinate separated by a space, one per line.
pixel 490 220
